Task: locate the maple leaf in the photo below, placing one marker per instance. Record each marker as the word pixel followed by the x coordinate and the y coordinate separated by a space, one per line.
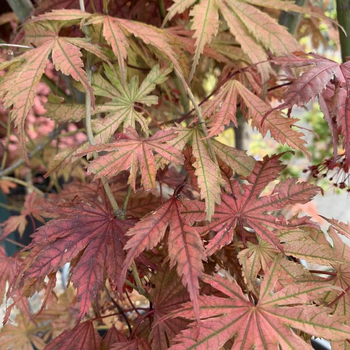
pixel 86 232
pixel 206 170
pixel 317 81
pixel 83 336
pixel 269 322
pixel 19 222
pixel 18 86
pixel 123 107
pixel 221 110
pixel 340 302
pixel 308 244
pixel 6 186
pixel 168 294
pixel 121 110
pixel 184 244
pixel 61 312
pixel 249 208
pixel 7 266
pixel 134 153
pixel 113 336
pixel 23 335
pixel 57 109
pixel 117 30
pixel 254 258
pixel 249 25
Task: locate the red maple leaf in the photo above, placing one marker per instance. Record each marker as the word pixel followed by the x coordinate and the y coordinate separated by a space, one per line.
pixel 266 324
pixel 168 294
pixel 184 244
pixel 245 207
pixel 329 81
pixel 83 336
pixel 87 232
pixel 19 222
pixel 133 152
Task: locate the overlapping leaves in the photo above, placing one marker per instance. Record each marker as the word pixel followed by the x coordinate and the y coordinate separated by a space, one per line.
pixel 327 80
pixel 222 109
pixel 206 169
pixel 252 28
pixel 184 244
pixel 245 206
pixel 134 153
pixel 87 232
pixel 18 86
pixel 270 322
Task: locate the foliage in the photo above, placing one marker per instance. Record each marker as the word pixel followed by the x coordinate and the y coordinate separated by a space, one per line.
pixel 141 195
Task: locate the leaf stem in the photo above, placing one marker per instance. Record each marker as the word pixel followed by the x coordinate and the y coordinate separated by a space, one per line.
pixel 161 9
pixel 201 122
pixel 14 242
pixel 17 45
pixel 88 124
pixel 125 204
pixel 136 275
pixel 323 272
pixel 10 207
pixel 339 297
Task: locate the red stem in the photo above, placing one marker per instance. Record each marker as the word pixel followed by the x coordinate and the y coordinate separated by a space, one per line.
pixel 339 297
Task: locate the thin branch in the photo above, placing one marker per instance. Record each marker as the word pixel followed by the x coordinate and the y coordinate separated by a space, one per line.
pixel 119 308
pixel 131 303
pixel 36 150
pixel 23 183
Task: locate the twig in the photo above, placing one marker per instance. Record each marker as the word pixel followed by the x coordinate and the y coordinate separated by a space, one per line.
pixel 36 150
pixel 23 183
pixel 131 303
pixel 119 308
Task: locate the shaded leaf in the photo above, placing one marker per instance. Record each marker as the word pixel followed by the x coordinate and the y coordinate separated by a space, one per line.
pixel 83 337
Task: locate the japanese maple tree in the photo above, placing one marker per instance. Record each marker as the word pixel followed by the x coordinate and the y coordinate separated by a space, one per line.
pixel 116 118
